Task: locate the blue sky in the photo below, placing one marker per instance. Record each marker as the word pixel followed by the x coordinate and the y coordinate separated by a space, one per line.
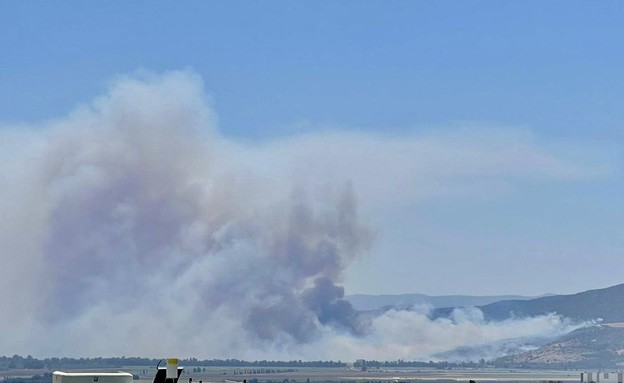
pixel 554 66
pixel 392 68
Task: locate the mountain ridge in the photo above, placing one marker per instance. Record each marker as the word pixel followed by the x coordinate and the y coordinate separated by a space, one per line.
pixel 605 304
pixel 366 302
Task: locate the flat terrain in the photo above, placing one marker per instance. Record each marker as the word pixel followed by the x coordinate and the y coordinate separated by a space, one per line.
pixel 317 374
pixel 300 375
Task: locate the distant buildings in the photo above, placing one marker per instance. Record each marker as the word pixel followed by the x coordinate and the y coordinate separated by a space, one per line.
pixel 361 363
pixel 602 377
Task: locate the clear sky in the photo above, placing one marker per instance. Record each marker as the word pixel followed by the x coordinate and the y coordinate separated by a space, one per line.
pixel 538 77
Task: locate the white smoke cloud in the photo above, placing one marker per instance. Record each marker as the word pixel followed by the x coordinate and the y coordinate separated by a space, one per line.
pixel 133 227
pixel 413 335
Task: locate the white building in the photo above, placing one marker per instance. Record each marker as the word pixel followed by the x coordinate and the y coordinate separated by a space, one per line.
pixel 602 377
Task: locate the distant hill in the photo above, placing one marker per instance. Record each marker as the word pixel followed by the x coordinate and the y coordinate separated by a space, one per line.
pixel 490 350
pixel 590 347
pixel 607 303
pixel 365 302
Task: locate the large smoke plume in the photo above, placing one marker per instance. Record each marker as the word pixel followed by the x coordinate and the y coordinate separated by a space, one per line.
pixel 133 227
pixel 146 224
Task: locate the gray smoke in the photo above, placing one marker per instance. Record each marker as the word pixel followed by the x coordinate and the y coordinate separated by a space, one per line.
pixel 148 217
pixel 326 300
pixel 133 227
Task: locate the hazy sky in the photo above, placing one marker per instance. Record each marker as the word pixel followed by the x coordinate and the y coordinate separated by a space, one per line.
pixel 483 138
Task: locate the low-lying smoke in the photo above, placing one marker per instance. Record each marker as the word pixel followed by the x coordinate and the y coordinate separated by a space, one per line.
pixel 133 227
pixel 413 335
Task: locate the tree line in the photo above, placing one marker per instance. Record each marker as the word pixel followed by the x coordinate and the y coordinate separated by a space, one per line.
pixel 17 362
pixel 419 364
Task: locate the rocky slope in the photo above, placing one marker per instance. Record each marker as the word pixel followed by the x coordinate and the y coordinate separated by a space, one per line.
pixel 600 346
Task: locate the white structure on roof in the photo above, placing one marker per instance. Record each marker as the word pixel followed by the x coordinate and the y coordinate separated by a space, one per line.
pixel 91 377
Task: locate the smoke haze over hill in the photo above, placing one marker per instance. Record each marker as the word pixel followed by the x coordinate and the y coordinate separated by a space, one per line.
pixel 132 226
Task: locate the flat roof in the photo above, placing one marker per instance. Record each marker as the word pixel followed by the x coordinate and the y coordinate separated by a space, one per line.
pixel 92 373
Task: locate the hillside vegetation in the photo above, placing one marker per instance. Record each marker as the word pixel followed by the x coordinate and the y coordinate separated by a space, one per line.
pixel 591 347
